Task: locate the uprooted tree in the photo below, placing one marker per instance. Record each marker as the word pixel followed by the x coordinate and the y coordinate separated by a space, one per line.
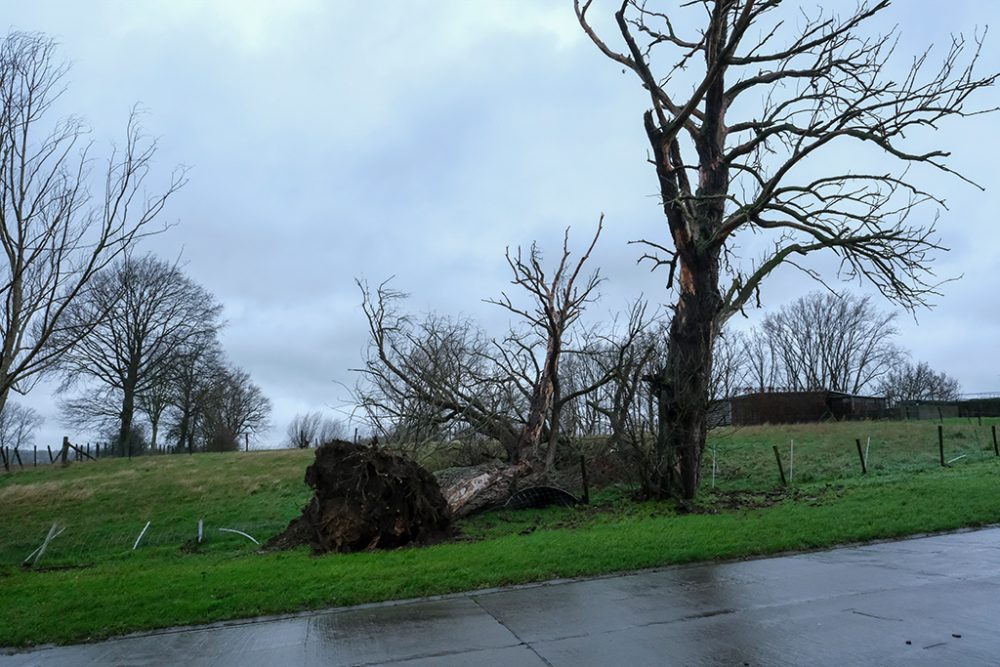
pixel 740 152
pixel 365 498
pixel 437 377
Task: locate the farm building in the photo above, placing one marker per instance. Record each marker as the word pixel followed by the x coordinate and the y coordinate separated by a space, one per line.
pixel 789 407
pixel 720 413
pixel 982 406
pixel 926 409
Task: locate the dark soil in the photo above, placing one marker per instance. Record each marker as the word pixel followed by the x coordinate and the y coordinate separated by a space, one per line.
pixel 751 500
pixel 365 498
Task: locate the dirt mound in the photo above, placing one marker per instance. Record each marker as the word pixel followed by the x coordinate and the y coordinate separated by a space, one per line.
pixel 366 498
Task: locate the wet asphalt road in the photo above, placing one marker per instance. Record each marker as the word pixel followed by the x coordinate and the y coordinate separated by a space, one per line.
pixel 928 601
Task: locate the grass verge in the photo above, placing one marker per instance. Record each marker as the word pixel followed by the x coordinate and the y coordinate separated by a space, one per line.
pixel 109 590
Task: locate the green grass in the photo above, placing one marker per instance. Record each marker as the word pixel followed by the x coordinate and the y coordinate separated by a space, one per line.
pixel 827 451
pixel 92 585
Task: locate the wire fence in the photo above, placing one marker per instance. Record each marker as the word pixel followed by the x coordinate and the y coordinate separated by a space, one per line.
pixel 51 522
pixel 753 458
pixel 14 458
pixel 66 543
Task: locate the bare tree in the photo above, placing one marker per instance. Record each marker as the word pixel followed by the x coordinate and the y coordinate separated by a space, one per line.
pixel 436 380
pixel 18 424
pixel 153 313
pixel 762 362
pixel 730 365
pixel 154 403
pixel 55 235
pixel 237 409
pixel 428 373
pixel 196 369
pixel 625 404
pixel 313 429
pixel 557 302
pixel 918 382
pixel 829 341
pixel 98 409
pixel 596 362
pixel 803 88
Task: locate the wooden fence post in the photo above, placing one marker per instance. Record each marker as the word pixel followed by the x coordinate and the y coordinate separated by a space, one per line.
pixel 941 444
pixel 781 471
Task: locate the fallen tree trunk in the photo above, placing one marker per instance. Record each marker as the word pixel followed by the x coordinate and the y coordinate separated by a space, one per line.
pixel 366 498
pixel 469 490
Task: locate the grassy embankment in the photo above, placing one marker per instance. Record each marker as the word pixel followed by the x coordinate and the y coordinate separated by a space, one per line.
pixel 90 584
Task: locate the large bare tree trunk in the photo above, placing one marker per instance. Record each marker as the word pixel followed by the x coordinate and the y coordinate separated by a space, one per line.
pixel 824 87
pixel 683 387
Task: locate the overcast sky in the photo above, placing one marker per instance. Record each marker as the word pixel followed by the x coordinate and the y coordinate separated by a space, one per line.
pixel 329 140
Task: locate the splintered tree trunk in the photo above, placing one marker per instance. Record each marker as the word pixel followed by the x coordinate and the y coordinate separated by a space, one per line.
pixel 541 402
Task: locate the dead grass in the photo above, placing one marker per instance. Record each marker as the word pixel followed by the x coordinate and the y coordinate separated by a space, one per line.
pixel 40 492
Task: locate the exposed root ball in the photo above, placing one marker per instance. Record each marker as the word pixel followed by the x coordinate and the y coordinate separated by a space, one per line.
pixel 365 498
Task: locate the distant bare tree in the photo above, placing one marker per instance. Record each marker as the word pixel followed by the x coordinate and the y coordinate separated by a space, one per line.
pixel 918 382
pixel 153 312
pixel 18 424
pixel 154 403
pixel 730 365
pixel 195 370
pixel 829 341
pixel 746 148
pixel 601 364
pixel 762 362
pixel 313 429
pixel 236 410
pixel 54 234
pixel 596 360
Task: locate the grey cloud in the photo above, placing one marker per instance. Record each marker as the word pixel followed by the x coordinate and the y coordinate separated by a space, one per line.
pixel 327 142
